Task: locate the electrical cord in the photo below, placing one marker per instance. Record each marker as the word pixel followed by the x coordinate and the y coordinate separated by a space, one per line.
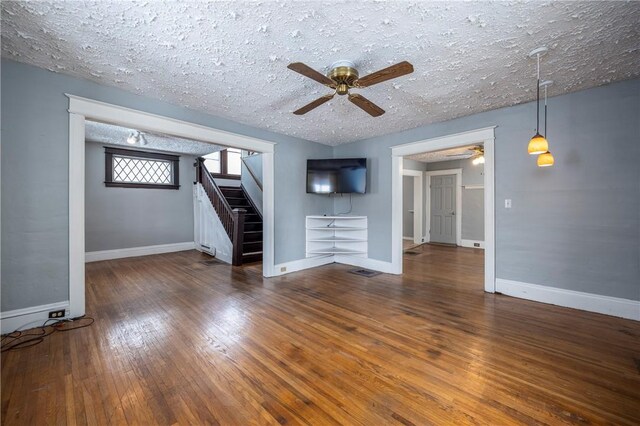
pixel 26 339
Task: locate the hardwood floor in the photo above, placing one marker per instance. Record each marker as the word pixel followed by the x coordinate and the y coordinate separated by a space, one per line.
pixel 182 339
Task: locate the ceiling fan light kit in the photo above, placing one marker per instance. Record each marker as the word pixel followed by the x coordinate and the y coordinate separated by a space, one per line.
pixel 538 144
pixel 344 76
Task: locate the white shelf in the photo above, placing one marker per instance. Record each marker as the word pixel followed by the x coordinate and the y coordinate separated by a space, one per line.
pixel 337 239
pixel 341 228
pixel 337 250
pixel 346 236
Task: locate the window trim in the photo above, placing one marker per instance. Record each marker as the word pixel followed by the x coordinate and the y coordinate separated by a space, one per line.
pixel 109 152
pixel 224 166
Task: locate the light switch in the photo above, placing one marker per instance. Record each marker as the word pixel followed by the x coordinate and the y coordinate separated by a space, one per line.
pixel 507 203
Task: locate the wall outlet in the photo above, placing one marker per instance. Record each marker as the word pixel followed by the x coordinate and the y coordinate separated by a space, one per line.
pixel 60 313
pixel 283 269
pixel 507 203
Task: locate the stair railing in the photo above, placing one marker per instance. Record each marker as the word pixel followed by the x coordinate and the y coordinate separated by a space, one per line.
pixel 232 219
pixel 252 173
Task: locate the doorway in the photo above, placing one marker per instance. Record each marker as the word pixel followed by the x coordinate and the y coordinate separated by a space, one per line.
pixel 484 137
pixel 83 108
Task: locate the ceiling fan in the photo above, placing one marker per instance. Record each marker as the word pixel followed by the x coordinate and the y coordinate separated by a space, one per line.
pixel 475 152
pixel 344 76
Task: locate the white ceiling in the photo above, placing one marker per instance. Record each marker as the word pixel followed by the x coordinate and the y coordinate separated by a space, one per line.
pixel 451 154
pixel 117 135
pixel 229 58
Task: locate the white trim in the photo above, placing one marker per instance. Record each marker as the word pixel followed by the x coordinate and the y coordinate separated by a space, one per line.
pixel 408 238
pixel 485 136
pixel 363 262
pixel 83 108
pixel 34 316
pixel 299 265
pixel 268 215
pixel 76 215
pixel 396 214
pixel 417 203
pixel 615 306
pixel 470 243
pixel 449 141
pixel 427 202
pixel 96 256
pixel 473 186
pixel 141 120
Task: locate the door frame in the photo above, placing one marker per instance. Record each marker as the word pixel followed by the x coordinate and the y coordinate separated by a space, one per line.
pixel 417 204
pixel 427 205
pixel 487 137
pixel 83 108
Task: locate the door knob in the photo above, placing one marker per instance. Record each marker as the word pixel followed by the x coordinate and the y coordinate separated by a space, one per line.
pixel 453 213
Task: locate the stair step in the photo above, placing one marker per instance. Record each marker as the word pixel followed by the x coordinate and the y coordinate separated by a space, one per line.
pixel 252 236
pixel 252 226
pixel 252 247
pixel 235 201
pixel 252 257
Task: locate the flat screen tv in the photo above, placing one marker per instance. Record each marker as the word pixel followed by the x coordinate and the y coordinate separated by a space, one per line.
pixel 337 176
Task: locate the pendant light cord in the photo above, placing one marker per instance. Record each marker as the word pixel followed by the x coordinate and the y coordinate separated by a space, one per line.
pixel 545 111
pixel 538 98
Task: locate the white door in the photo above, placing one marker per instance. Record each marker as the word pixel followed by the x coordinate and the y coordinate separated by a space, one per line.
pixel 443 209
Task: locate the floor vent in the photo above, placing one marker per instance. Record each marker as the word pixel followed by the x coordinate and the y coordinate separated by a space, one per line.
pixel 365 272
pixel 412 253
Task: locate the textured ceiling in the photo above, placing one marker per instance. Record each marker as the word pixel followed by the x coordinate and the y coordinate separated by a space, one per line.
pixel 229 58
pixel 458 153
pixel 116 135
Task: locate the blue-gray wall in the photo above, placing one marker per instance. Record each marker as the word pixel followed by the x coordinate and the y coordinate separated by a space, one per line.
pixel 117 218
pixel 574 226
pixel 35 133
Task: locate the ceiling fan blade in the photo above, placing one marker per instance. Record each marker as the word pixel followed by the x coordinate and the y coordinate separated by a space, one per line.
pixel 307 71
pixel 364 103
pixel 385 74
pixel 315 104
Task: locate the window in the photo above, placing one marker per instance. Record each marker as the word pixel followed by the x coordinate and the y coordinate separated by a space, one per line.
pixel 224 164
pixel 138 169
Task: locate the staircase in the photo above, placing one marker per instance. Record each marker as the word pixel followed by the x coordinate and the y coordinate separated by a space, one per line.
pixel 252 241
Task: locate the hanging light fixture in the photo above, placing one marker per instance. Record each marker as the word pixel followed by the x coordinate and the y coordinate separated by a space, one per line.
pixel 538 144
pixel 135 137
pixel 545 159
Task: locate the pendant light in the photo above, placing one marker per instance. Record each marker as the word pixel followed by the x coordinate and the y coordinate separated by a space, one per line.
pixel 545 159
pixel 538 144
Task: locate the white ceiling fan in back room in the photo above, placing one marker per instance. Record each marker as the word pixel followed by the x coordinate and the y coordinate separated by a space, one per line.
pixel 344 76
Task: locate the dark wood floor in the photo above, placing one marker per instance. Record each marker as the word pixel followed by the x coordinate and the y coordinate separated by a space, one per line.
pixel 179 338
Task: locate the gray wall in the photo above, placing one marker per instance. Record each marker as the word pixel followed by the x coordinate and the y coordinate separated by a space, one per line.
pixel 118 218
pixel 472 199
pixel 35 133
pixel 573 226
pixel 407 204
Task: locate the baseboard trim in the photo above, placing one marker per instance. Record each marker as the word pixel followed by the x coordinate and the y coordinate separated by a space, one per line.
pixel 364 262
pixel 407 238
pixel 618 307
pixel 96 256
pixel 301 264
pixel 470 243
pixel 34 316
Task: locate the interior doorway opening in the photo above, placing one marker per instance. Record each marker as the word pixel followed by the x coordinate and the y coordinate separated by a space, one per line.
pixel 478 147
pixel 82 109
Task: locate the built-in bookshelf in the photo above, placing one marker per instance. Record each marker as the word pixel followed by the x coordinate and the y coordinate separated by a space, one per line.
pixel 331 235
